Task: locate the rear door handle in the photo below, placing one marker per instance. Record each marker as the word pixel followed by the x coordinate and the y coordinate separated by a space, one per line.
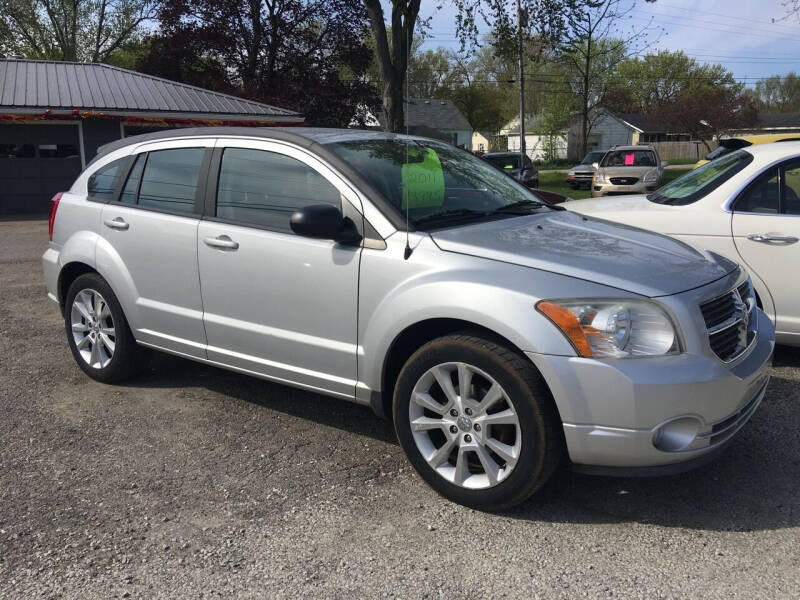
pixel 766 238
pixel 223 242
pixel 118 223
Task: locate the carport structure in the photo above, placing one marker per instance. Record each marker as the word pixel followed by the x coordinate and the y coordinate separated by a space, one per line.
pixel 55 115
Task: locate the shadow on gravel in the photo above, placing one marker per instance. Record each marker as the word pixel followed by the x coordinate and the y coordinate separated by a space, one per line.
pixel 754 485
pixel 786 356
pixel 172 372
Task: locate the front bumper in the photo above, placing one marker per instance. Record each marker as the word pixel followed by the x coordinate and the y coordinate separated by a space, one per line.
pixel 626 414
pixel 609 189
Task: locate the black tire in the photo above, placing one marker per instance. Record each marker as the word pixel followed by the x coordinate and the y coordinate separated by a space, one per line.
pixel 128 358
pixel 542 436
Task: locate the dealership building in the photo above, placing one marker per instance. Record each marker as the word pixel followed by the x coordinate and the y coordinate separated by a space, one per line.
pixel 55 115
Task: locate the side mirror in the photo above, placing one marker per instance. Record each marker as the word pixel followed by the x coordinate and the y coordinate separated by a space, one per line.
pixel 325 222
pixel 664 164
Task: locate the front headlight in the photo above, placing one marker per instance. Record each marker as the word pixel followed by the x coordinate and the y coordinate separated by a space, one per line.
pixel 571 173
pixel 613 328
pixel 651 177
pixel 599 178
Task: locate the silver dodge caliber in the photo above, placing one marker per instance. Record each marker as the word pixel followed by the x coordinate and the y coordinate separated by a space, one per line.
pixel 501 335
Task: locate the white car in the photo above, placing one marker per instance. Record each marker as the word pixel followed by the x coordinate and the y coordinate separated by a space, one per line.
pixel 745 206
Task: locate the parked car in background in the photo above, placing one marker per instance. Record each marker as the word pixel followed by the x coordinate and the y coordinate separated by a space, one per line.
pixel 403 273
pixel 550 197
pixel 627 170
pixel 728 145
pixel 744 205
pixel 509 163
pixel 580 176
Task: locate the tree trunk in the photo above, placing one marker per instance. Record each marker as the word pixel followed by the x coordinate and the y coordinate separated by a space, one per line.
pixel 393 112
pixel 393 62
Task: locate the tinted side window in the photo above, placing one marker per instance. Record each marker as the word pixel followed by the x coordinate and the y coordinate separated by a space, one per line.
pixel 169 181
pixel 791 189
pixel 761 196
pixel 103 182
pixel 264 188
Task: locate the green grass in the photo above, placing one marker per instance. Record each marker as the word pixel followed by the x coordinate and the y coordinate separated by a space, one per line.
pixel 556 182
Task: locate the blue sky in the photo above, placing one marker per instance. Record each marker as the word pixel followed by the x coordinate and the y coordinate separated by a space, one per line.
pixel 739 34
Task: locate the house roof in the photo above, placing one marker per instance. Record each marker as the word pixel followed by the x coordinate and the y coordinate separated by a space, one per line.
pixel 28 85
pixel 779 121
pixel 441 115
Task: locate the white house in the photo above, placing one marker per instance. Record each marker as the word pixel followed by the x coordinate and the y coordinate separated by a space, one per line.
pixel 538 147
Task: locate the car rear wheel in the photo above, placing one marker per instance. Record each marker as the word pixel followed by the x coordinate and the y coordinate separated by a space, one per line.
pixel 98 333
pixel 477 421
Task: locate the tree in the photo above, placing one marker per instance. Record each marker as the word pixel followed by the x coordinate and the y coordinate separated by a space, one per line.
pixel 482 99
pixel 307 55
pixel 76 30
pixel 393 56
pixel 779 93
pixel 514 28
pixel 596 44
pixel 708 112
pixel 642 85
pixel 428 73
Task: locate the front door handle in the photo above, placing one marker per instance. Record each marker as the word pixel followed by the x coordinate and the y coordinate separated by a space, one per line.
pixel 118 223
pixel 766 238
pixel 223 242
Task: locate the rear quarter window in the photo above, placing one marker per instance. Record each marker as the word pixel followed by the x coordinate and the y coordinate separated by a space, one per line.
pixel 103 182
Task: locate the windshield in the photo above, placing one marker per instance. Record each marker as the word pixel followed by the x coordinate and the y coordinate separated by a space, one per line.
pixel 439 184
pixel 592 158
pixel 700 182
pixel 504 161
pixel 629 158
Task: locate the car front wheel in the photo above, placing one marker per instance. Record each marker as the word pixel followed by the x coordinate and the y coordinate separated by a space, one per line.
pixel 477 421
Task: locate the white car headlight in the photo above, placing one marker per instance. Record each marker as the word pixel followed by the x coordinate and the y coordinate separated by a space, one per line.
pixel 599 178
pixel 609 328
pixel 571 173
pixel 651 177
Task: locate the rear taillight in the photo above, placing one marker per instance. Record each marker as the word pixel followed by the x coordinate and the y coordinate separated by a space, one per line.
pixel 53 208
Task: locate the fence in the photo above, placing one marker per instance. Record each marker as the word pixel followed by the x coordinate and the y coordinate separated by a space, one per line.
pixel 673 150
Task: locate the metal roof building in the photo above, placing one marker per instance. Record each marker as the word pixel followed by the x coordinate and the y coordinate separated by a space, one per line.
pixel 55 115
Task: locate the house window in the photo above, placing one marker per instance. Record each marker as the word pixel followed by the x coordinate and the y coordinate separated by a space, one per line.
pixel 58 151
pixel 16 151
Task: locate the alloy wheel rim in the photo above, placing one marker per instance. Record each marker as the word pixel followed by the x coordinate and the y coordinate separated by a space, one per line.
pixel 464 425
pixel 93 328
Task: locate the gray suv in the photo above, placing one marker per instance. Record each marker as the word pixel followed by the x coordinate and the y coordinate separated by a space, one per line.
pixel 502 336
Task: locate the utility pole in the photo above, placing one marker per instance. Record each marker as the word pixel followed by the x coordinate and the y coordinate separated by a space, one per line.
pixel 521 51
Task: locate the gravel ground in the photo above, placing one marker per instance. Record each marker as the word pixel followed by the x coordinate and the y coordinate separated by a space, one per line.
pixel 196 482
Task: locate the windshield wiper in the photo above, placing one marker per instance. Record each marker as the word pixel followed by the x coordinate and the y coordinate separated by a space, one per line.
pixel 455 213
pixel 519 207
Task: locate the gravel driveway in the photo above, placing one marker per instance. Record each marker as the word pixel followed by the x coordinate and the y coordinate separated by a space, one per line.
pixel 196 482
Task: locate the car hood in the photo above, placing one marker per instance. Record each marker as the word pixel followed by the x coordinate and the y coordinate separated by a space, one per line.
pixel 616 205
pixel 610 254
pixel 586 168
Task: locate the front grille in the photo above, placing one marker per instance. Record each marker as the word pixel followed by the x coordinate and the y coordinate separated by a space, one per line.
pixel 584 174
pixel 728 320
pixel 623 180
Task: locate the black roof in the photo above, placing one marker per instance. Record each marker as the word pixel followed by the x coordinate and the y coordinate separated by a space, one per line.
pixel 778 120
pixel 36 85
pixel 433 113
